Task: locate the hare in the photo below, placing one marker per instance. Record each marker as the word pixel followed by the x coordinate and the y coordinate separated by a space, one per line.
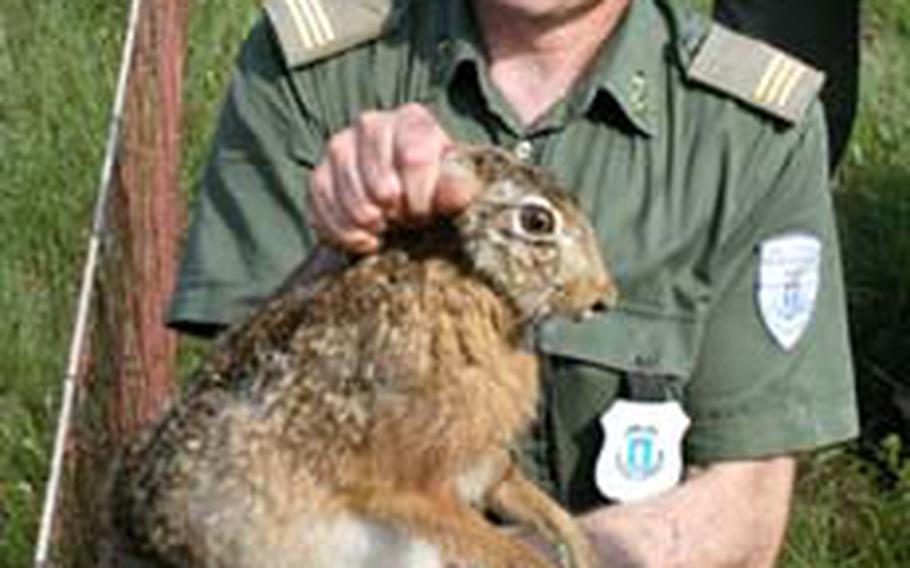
pixel 363 416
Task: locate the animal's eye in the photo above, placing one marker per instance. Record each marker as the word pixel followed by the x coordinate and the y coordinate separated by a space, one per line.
pixel 537 220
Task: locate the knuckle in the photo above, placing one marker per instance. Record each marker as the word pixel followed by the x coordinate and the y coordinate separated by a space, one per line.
pixel 319 180
pixel 415 155
pixel 416 116
pixel 346 178
pixel 414 110
pixel 370 121
pixel 339 145
pixel 411 109
pixel 387 188
pixel 364 215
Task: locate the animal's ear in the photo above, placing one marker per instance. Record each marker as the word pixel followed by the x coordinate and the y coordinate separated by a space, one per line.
pixel 460 165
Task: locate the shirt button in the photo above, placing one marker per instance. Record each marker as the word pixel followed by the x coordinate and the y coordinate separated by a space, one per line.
pixel 524 150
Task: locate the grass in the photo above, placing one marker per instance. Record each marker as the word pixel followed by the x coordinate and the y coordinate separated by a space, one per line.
pixel 875 220
pixel 57 70
pixel 52 114
pixel 851 512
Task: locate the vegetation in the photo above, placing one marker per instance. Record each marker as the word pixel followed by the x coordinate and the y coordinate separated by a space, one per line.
pixel 851 512
pixel 58 68
pixel 53 100
pixel 58 65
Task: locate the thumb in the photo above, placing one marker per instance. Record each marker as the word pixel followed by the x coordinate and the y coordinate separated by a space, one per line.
pixel 458 182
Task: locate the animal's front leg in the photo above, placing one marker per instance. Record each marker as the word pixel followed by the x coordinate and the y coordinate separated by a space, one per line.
pixel 444 521
pixel 519 500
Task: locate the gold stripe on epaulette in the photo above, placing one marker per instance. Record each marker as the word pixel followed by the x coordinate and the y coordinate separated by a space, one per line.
pixel 311 22
pixel 306 37
pixel 793 79
pixel 778 81
pixel 321 19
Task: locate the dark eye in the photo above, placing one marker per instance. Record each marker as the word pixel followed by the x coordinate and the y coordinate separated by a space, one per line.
pixel 537 220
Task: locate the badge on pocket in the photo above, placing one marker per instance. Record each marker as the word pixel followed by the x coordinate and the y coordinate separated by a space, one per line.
pixel 642 452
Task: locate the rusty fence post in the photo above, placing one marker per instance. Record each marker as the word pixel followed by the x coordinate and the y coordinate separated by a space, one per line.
pixel 147 215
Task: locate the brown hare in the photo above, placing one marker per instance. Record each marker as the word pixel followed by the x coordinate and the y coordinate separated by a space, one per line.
pixel 363 417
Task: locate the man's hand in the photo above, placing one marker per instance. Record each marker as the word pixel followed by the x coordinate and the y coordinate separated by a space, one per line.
pixel 384 168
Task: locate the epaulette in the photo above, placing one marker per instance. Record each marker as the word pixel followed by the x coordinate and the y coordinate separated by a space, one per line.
pixel 310 30
pixel 756 73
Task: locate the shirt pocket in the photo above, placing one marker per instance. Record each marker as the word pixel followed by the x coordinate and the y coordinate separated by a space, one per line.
pixel 586 361
pixel 626 340
pixel 585 366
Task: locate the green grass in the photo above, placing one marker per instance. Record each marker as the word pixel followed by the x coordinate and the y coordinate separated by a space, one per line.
pixel 58 64
pixel 54 93
pixel 874 213
pixel 851 512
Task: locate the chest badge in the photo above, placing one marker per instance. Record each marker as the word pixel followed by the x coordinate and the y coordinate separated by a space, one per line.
pixel 788 281
pixel 642 452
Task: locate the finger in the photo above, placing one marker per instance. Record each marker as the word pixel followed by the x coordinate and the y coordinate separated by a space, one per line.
pixel 360 212
pixel 329 220
pixel 375 136
pixel 418 145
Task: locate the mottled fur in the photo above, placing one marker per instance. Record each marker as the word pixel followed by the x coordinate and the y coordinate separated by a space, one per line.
pixel 363 418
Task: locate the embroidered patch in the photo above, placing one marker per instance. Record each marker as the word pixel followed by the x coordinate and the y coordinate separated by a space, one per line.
pixel 642 452
pixel 789 270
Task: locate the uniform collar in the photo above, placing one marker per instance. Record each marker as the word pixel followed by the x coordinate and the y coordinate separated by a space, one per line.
pixel 630 66
pixel 460 41
pixel 627 69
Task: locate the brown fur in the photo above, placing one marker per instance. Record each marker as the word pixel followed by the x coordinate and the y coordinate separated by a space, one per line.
pixel 373 406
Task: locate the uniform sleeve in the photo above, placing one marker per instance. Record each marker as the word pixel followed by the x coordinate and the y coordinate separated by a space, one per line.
pixel 248 228
pixel 751 396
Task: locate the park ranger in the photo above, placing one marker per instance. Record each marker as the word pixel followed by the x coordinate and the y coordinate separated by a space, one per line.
pixel 700 155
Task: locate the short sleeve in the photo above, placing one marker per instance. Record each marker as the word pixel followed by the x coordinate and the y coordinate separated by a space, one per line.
pixel 248 228
pixel 752 394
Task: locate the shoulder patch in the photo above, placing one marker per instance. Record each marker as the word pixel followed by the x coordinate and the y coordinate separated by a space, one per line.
pixel 756 73
pixel 310 30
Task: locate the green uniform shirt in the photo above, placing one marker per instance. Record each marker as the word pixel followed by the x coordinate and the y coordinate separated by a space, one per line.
pixel 683 182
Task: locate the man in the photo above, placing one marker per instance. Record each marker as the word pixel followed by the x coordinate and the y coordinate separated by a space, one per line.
pixel 701 158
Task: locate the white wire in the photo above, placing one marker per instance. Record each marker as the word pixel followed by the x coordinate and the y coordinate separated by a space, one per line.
pixel 42 548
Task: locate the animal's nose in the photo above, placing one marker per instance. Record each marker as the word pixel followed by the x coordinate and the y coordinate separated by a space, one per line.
pixel 607 298
pixel 602 303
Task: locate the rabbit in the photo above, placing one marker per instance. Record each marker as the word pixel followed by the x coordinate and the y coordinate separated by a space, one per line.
pixel 364 416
